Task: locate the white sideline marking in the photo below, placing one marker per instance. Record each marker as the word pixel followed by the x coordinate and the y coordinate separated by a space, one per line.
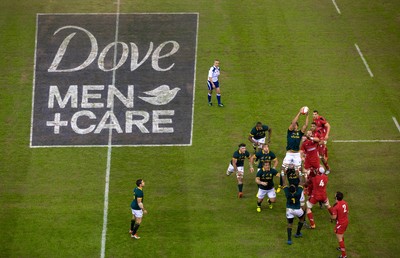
pixel 396 123
pixel 336 6
pixel 108 167
pixel 366 141
pixel 365 61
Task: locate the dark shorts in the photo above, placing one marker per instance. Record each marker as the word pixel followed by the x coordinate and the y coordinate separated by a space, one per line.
pixel 209 85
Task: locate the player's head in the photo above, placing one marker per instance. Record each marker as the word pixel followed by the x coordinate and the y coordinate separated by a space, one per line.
pixel 267 165
pixel 313 126
pixel 296 126
pixel 292 188
pixel 315 114
pixel 309 133
pixel 339 196
pixel 140 182
pixel 216 62
pixel 265 147
pixel 259 126
pixel 242 147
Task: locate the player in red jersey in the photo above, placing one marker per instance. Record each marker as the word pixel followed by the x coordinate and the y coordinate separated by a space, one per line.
pixel 317 189
pixel 309 154
pixel 324 127
pixel 340 211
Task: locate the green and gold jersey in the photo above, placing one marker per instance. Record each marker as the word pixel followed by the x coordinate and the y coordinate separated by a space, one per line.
pixel 263 157
pixel 293 177
pixel 293 200
pixel 240 157
pixel 293 140
pixel 267 176
pixel 137 193
pixel 259 134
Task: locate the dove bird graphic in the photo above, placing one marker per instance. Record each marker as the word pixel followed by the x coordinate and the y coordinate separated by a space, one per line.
pixel 161 95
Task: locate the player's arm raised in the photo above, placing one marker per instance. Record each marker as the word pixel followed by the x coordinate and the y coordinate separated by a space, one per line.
pixel 294 121
pixel 304 128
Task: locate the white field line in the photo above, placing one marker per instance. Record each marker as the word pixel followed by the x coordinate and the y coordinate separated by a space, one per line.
pixel 108 167
pixel 366 141
pixel 336 6
pixel 364 61
pixel 396 123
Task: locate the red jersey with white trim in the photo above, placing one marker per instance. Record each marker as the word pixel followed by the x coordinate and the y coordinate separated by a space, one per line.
pixel 319 134
pixel 310 149
pixel 341 210
pixel 317 186
pixel 320 121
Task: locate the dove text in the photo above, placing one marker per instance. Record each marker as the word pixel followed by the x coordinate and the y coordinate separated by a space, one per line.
pixel 167 48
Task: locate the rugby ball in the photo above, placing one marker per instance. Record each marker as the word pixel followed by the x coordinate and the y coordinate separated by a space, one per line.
pixel 304 110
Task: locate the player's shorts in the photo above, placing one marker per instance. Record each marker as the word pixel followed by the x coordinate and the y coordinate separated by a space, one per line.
pixel 262 193
pixel 137 213
pixel 323 151
pixel 259 143
pixel 313 200
pixel 311 163
pixel 231 169
pixel 340 228
pixel 291 213
pixel 210 87
pixel 295 156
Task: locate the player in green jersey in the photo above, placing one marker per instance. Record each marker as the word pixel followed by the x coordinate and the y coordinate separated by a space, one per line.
pixel 257 135
pixel 294 136
pixel 137 208
pixel 265 182
pixel 264 155
pixel 237 165
pixel 294 199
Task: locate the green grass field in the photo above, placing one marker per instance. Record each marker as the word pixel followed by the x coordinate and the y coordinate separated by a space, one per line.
pixel 276 56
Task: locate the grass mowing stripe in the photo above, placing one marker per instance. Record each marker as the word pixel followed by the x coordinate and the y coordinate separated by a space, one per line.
pixel 109 149
pixel 364 61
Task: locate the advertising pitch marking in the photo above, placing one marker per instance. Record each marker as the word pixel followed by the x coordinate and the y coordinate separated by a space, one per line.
pixel 75 101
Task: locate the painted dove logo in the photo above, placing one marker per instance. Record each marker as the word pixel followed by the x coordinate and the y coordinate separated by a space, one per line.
pixel 161 95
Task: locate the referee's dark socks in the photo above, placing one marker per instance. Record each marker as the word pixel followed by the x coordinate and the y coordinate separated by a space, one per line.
pixel 269 201
pixel 258 204
pixel 240 186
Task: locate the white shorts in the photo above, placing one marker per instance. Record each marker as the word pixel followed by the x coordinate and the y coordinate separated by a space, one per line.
pixel 231 169
pixel 310 205
pixel 261 193
pixel 137 213
pixel 259 143
pixel 291 213
pixel 295 156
